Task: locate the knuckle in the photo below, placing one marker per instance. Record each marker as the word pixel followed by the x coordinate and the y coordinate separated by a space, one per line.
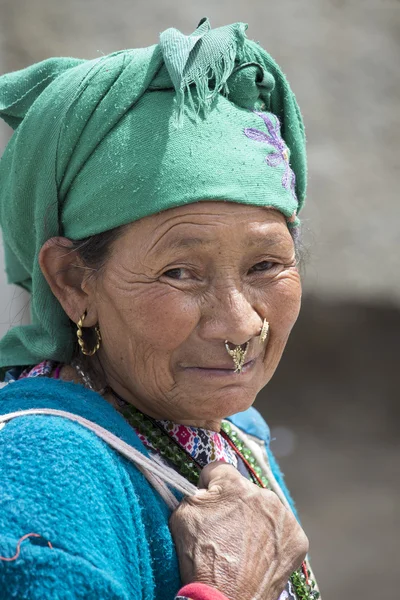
pixel 302 544
pixel 234 487
pixel 276 501
pixel 179 515
pixel 272 499
pixel 174 520
pixel 241 484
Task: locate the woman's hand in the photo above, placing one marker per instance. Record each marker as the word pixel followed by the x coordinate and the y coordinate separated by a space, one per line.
pixel 236 537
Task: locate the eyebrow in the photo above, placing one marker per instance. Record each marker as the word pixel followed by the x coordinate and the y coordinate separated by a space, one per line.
pixel 264 241
pixel 181 242
pixel 187 242
pixel 193 242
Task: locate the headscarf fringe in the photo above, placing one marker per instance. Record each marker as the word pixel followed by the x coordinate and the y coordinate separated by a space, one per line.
pixel 200 88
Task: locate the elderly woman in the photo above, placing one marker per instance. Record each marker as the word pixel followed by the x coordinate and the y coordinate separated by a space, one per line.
pixel 149 203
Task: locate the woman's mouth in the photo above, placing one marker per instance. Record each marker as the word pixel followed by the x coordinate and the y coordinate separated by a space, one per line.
pixel 223 370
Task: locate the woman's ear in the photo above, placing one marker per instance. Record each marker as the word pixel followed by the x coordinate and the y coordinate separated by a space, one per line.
pixel 68 279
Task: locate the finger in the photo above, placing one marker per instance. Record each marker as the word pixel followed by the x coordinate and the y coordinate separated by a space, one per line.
pixel 217 472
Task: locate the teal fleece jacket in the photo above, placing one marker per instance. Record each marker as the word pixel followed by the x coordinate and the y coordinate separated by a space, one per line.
pixel 107 526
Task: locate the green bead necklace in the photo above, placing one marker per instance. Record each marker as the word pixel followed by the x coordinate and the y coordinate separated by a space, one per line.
pixel 167 447
pixel 246 454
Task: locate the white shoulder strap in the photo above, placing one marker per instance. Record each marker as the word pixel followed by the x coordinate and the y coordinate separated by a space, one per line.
pixel 158 475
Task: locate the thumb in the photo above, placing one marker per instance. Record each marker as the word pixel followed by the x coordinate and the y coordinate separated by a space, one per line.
pixel 217 473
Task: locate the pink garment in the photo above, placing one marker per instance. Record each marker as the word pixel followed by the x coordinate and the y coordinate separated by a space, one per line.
pixel 43 369
pixel 199 591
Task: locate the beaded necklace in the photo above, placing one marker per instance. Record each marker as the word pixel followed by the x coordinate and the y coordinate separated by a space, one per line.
pixel 166 446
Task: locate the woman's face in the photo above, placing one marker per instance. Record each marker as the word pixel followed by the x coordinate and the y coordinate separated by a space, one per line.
pixel 180 283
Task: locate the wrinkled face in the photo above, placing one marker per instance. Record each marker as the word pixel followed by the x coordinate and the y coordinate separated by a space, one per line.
pixel 180 283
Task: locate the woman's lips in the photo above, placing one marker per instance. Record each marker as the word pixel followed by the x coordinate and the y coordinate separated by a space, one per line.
pixel 223 371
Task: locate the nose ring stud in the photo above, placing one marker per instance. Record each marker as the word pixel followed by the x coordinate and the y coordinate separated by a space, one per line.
pixel 264 331
pixel 238 355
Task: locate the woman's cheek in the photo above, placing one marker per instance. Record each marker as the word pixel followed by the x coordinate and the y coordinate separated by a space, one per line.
pixel 284 301
pixel 166 317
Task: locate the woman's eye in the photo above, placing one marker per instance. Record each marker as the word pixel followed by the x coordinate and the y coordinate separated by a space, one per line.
pixel 176 273
pixel 265 265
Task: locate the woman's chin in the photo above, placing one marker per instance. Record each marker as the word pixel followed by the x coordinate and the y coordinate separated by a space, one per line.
pixel 223 403
pixel 221 394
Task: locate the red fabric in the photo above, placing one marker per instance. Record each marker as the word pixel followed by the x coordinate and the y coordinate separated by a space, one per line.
pixel 201 591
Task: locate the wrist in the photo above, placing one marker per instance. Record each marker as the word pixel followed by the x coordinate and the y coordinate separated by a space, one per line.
pixel 200 591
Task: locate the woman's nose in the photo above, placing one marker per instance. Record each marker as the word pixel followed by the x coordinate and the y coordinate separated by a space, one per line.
pixel 232 317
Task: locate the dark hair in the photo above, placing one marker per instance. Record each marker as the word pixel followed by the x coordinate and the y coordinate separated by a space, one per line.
pixel 96 249
pixel 299 248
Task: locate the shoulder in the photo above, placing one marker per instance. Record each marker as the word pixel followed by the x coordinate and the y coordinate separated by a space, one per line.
pixel 61 481
pixel 26 393
pixel 59 462
pixel 54 463
pixel 57 448
pixel 40 440
pixel 70 397
pixel 51 437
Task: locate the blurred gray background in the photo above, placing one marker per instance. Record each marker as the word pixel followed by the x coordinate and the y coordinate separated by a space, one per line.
pixel 333 405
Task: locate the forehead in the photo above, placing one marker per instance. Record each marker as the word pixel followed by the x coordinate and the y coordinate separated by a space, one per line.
pixel 204 222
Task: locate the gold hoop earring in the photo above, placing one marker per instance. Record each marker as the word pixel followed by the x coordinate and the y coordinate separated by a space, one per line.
pixel 81 341
pixel 264 331
pixel 238 355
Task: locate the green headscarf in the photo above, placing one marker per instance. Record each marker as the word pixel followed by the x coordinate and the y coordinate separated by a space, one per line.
pixel 105 142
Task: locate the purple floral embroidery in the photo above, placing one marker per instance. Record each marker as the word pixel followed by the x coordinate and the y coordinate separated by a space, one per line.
pixel 280 155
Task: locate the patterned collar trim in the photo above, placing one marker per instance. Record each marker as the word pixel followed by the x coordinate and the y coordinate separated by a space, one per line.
pixel 44 369
pixel 203 445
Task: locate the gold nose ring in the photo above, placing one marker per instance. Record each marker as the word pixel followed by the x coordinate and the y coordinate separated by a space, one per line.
pixel 264 331
pixel 238 355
